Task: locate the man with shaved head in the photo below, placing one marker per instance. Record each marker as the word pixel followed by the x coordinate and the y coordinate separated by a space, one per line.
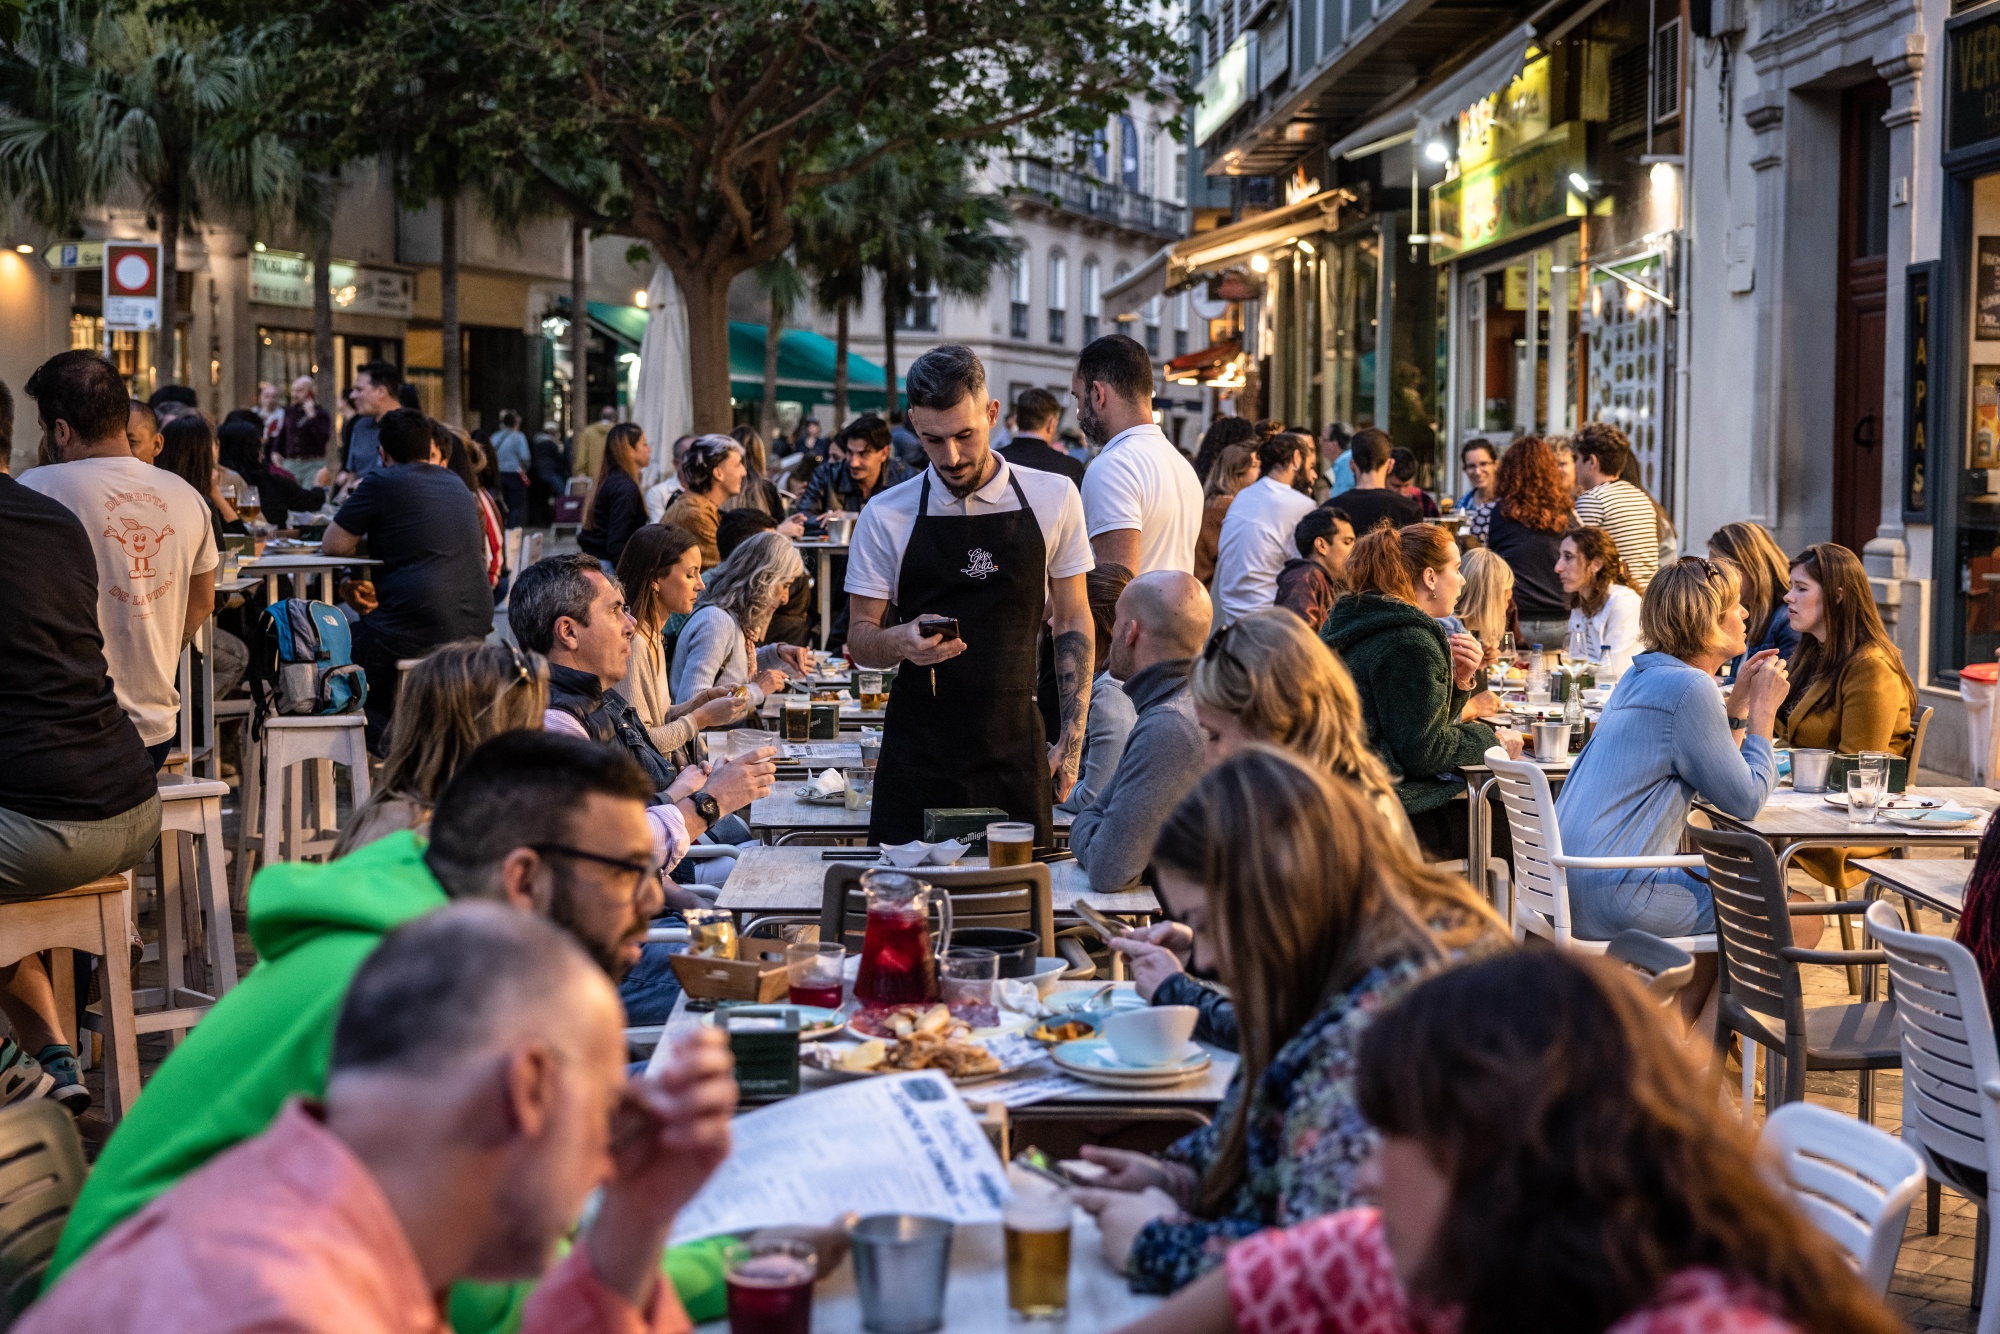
pixel 476 1095
pixel 1158 629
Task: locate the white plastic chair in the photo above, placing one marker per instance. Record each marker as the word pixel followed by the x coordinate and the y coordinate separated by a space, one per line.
pixel 1951 1073
pixel 1853 1181
pixel 1541 868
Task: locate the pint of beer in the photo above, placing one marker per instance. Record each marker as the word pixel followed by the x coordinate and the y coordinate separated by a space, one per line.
pixel 1010 844
pixel 1036 1224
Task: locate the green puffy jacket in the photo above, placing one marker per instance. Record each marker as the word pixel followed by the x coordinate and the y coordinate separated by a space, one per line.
pixel 271 1038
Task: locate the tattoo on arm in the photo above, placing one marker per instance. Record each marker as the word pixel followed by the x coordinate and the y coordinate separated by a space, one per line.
pixel 1073 667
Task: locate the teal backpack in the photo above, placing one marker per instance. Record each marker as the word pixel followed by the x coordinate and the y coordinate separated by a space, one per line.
pixel 305 662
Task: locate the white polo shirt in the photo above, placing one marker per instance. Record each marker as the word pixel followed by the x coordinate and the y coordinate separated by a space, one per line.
pixel 1140 480
pixel 1256 542
pixel 875 553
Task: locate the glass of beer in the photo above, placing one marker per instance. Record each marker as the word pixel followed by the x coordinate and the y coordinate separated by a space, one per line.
pixel 711 932
pixel 1036 1226
pixel 871 750
pixel 872 694
pixel 798 718
pixel 250 506
pixel 771 1287
pixel 1010 844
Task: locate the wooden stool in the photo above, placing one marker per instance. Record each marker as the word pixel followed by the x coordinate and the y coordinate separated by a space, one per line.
pixel 90 918
pixel 197 943
pixel 275 828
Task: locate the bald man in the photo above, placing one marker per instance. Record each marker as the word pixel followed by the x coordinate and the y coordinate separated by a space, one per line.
pixel 1157 630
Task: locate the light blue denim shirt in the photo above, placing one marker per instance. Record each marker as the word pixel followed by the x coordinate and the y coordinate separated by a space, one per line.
pixel 1664 740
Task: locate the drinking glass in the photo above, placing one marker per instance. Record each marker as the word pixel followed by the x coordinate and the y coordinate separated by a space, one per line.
pixel 813 973
pixel 1009 844
pixel 1864 793
pixel 858 782
pixel 711 932
pixel 871 693
pixel 902 1263
pixel 1037 1235
pixel 1508 651
pixel 797 714
pixel 771 1287
pixel 747 741
pixel 871 750
pixel 969 975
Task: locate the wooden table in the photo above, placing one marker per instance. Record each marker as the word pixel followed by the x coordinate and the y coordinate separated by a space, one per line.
pixel 793 880
pixel 784 813
pixel 1935 882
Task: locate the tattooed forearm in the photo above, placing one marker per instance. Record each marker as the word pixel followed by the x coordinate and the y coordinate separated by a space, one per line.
pixel 1073 675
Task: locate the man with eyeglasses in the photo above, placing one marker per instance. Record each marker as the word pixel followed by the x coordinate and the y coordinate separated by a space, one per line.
pixel 565 609
pixel 552 825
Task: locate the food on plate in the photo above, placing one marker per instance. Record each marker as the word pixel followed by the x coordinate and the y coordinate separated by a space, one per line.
pixel 902 1021
pixel 1067 1031
pixel 868 1056
pixel 959 1059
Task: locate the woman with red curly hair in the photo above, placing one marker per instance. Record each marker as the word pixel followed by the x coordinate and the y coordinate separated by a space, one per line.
pixel 1527 531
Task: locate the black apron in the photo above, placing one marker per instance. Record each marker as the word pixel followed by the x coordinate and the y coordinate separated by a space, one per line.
pixel 976 739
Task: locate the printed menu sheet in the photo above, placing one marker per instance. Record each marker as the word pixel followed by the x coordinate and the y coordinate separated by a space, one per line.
pixel 890 1144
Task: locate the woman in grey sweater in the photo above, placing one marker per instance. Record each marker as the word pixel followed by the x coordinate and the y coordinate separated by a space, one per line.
pixel 718 645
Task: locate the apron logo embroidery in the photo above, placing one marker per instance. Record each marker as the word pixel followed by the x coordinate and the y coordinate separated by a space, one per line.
pixel 981 564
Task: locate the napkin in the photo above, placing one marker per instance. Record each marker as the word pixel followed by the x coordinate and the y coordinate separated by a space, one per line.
pixel 829 783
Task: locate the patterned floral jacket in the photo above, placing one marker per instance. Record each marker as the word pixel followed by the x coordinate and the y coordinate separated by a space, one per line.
pixel 1306 1139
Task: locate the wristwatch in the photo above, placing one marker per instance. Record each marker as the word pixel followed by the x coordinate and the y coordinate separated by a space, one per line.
pixel 707 808
pixel 1739 724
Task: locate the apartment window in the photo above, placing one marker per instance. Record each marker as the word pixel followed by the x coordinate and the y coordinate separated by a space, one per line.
pixel 1151 315
pixel 921 314
pixel 1128 153
pixel 1181 325
pixel 1667 72
pixel 1097 154
pixel 1017 297
pixel 1058 298
pixel 1092 300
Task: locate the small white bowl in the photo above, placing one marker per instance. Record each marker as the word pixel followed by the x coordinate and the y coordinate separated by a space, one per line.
pixel 1047 973
pixel 1156 1035
pixel 947 853
pixel 906 855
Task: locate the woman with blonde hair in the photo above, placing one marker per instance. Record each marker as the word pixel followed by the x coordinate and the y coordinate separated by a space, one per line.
pixel 718 645
pixel 1235 468
pixel 454 699
pixel 1482 603
pixel 1290 884
pixel 1762 565
pixel 759 491
pixel 616 508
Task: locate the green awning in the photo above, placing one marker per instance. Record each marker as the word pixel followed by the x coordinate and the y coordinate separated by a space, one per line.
pixel 805 368
pixel 625 323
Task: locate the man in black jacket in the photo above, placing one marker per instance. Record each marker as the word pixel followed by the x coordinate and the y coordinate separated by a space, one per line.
pixel 1037 414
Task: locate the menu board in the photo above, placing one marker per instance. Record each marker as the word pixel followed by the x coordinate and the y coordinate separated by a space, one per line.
pixel 1986 290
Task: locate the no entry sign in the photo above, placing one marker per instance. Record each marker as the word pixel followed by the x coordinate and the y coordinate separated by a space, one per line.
pixel 131 285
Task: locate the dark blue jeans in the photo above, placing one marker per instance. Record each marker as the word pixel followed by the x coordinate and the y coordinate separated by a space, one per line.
pixel 650 989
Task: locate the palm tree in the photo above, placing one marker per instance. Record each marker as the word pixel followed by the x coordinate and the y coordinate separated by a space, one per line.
pixel 88 104
pixel 783 285
pixel 831 246
pixel 933 235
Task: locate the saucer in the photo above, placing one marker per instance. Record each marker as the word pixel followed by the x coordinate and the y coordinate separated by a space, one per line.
pixel 1933 818
pixel 1093 1060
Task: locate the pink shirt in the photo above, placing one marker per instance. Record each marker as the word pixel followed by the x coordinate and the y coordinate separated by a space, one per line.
pixel 1334 1275
pixel 289 1232
pixel 670 831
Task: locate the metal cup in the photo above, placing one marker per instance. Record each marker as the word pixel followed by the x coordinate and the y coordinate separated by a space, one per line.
pixel 901 1262
pixel 1551 740
pixel 1809 769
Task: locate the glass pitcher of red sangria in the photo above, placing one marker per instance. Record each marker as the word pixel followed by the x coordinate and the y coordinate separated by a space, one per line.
pixel 899 962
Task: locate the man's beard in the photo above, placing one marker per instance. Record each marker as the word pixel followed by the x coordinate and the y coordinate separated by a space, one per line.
pixel 562 913
pixel 978 475
pixel 1090 423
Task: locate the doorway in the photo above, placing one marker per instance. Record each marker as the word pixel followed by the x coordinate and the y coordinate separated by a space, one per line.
pixel 1861 312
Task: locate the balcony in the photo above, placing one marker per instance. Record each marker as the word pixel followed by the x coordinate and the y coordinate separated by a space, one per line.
pixel 1073 192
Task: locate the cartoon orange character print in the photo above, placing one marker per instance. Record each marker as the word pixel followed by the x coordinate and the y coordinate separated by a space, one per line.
pixel 141 543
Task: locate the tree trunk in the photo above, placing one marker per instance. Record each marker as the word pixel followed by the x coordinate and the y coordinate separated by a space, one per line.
pixel 579 335
pixel 774 328
pixel 888 352
pixel 325 374
pixel 706 292
pixel 453 338
pixel 840 365
pixel 170 289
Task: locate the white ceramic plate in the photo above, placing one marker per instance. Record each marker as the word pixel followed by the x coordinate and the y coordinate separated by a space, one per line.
pixel 1896 803
pixel 1934 819
pixel 1092 1059
pixel 815 1021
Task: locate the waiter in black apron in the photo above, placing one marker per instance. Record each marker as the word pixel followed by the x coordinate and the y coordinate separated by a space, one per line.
pixel 1001 552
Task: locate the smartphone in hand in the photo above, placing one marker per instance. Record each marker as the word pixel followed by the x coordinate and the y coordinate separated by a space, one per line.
pixel 945 627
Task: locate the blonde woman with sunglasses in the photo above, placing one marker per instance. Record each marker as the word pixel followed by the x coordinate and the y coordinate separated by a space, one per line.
pixel 450 702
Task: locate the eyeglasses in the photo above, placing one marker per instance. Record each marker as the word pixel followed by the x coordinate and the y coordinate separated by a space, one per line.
pixel 1710 570
pixel 522 676
pixel 639 871
pixel 1218 644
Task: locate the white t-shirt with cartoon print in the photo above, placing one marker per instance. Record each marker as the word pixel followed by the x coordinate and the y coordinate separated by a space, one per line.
pixel 151 532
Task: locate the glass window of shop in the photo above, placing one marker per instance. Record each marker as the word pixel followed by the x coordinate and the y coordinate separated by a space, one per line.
pixel 1520 344
pixel 283 355
pixel 1978 501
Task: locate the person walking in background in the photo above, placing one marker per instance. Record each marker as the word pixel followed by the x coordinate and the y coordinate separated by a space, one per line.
pixel 1141 503
pixel 1336 464
pixel 587 455
pixel 1234 468
pixel 510 449
pixel 1766 578
pixel 1257 533
pixel 376 386
pixel 422 524
pixel 615 509
pixel 148 529
pixel 307 428
pixel 1526 531
pixel 908 447
pixel 1620 508
pixel 1372 501
pixel 1037 415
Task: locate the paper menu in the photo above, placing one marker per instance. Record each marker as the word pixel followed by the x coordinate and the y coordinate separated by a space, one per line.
pixel 890 1144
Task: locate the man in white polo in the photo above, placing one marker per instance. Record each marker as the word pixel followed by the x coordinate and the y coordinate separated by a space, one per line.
pixel 1257 532
pixel 1141 500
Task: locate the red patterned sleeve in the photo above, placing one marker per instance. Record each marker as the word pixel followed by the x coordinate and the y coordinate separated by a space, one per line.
pixel 1329 1275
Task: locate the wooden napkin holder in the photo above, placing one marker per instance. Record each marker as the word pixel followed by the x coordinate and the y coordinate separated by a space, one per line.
pixel 757 973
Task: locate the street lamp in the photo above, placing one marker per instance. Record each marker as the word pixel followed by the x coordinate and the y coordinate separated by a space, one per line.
pixel 1436 151
pixel 1579 183
pixel 24 249
pixel 1259 264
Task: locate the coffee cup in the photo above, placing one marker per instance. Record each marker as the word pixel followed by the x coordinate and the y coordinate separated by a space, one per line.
pixel 1156 1035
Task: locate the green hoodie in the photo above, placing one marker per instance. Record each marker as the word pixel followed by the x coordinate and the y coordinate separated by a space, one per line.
pixel 272 1037
pixel 1401 663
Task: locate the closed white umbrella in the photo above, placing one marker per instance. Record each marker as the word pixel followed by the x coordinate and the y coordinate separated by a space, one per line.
pixel 662 406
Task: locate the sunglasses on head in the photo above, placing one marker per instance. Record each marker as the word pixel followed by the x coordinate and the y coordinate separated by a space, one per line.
pixel 522 675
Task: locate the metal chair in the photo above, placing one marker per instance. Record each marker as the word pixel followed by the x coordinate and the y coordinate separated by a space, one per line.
pixel 1541 868
pixel 1665 968
pixel 1761 998
pixel 1853 1181
pixel 1016 897
pixel 1951 1075
pixel 41 1174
